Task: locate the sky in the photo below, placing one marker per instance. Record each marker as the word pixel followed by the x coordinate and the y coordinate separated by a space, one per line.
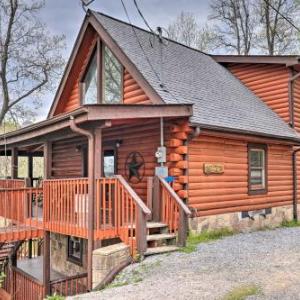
pixel 65 17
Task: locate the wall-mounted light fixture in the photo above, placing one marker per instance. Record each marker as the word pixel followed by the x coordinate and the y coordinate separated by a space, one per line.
pixel 119 143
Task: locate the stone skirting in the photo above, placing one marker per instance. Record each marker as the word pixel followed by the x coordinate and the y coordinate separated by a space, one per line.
pixel 106 259
pixel 59 259
pixel 235 221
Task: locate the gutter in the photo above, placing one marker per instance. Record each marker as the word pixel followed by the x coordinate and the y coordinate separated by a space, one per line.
pixel 91 194
pixel 295 185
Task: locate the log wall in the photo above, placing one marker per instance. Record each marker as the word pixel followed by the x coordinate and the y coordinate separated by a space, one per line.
pixel 228 192
pixel 67 160
pixel 269 82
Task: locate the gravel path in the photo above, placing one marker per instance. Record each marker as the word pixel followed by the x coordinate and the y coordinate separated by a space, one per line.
pixel 268 259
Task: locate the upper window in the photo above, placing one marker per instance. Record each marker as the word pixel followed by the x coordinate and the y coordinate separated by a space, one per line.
pixel 102 81
pixel 112 84
pixel 257 156
pixel 90 82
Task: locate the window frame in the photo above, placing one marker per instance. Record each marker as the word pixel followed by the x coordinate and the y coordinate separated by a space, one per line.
pixel 98 50
pixel 70 257
pixel 264 190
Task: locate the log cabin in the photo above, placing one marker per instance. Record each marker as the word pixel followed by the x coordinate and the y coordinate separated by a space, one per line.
pixel 146 139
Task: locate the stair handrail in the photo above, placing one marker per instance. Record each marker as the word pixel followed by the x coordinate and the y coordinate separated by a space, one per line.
pixel 142 212
pixel 175 196
pixel 183 210
pixel 134 195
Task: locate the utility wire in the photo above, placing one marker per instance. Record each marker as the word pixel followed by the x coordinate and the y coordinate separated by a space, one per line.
pixel 282 15
pixel 142 16
pixel 138 40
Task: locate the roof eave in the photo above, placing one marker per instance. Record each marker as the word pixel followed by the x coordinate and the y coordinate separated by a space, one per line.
pixel 293 140
pixel 288 61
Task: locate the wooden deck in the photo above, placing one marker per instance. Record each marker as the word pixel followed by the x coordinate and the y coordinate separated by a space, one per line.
pixel 13 233
pixel 33 268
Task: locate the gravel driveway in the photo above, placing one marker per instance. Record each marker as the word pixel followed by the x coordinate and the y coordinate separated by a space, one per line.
pixel 267 259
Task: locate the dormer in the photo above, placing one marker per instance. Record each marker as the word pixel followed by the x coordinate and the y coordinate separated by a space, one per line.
pixel 273 79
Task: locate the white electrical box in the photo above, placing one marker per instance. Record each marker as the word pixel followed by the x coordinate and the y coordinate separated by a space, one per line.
pixel 161 171
pixel 161 154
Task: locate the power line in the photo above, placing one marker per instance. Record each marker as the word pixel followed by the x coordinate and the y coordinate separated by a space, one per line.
pixel 142 16
pixel 138 40
pixel 282 15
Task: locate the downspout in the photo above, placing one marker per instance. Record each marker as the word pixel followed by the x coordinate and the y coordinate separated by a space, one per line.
pixel 291 80
pixel 91 188
pixel 295 185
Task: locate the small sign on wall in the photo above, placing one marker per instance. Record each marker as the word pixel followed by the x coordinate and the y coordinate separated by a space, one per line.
pixel 211 168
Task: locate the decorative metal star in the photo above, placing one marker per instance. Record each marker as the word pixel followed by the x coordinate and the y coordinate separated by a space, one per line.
pixel 134 163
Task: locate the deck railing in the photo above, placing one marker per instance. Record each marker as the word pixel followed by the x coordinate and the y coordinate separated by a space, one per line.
pixel 69 286
pixel 20 213
pixel 170 209
pixel 12 183
pixel 66 206
pixel 22 286
pixel 61 206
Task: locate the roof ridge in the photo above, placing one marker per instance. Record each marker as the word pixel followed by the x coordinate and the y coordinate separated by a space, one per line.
pixel 147 31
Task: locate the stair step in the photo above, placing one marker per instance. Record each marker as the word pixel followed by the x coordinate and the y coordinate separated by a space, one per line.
pixel 151 225
pixel 160 236
pixel 161 250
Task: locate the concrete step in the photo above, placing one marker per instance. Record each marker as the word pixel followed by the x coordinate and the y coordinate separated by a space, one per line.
pixel 161 250
pixel 160 236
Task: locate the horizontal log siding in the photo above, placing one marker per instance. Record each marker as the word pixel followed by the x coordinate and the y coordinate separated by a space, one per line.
pixel 269 82
pixel 228 192
pixel 70 97
pixel 143 138
pixel 66 160
pixel 133 93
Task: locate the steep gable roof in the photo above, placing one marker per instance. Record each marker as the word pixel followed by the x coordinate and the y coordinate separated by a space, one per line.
pixel 220 100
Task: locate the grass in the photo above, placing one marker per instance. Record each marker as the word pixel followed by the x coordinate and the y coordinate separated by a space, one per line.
pixel 242 292
pixel 289 224
pixel 206 236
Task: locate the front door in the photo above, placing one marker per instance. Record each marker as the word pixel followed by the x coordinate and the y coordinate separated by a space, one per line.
pixel 109 162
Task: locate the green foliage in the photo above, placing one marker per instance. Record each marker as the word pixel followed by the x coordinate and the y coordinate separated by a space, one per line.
pixel 206 236
pixel 289 224
pixel 242 292
pixel 2 277
pixel 55 297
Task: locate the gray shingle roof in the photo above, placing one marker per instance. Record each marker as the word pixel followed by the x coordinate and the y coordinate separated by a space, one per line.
pixel 190 76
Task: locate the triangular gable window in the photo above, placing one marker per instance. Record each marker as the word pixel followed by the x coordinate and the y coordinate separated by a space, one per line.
pixel 90 82
pixel 105 86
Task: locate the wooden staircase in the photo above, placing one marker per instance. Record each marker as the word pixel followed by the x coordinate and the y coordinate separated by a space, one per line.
pixel 159 240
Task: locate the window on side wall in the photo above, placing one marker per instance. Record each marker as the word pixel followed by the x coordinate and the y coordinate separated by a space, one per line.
pixel 75 250
pixel 257 169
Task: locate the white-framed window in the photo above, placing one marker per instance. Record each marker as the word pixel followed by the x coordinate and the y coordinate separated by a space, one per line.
pixel 257 164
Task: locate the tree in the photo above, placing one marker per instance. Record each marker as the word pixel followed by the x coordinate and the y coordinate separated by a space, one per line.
pixel 30 56
pixel 235 24
pixel 186 30
pixel 277 36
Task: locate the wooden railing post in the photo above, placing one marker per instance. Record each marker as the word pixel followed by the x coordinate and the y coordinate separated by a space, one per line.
pixel 141 232
pixel 46 264
pixel 156 200
pixel 182 228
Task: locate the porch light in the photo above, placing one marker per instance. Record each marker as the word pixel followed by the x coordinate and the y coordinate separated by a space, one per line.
pixel 119 143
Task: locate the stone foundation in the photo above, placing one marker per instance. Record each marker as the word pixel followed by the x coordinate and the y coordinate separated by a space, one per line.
pixel 59 257
pixel 235 221
pixel 106 259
